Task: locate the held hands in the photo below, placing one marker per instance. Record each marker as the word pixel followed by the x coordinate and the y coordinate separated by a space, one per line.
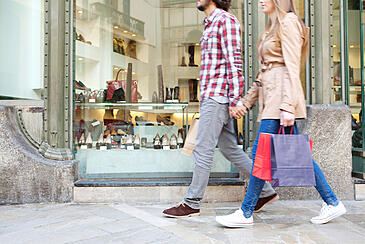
pixel 286 118
pixel 237 112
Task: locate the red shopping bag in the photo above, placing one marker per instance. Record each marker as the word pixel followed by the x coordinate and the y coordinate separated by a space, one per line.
pixel 262 165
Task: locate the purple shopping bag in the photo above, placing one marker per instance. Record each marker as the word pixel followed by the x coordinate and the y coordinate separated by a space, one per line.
pixel 291 161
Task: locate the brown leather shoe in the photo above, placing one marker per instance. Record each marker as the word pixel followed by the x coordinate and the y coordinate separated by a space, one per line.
pixel 262 202
pixel 181 211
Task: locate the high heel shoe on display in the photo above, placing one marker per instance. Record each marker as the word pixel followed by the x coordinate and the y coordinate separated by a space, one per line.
pixel 165 142
pixel 108 142
pixel 82 140
pixel 180 139
pixel 137 142
pixel 89 141
pixel 100 141
pixel 144 142
pixel 173 142
pixel 157 142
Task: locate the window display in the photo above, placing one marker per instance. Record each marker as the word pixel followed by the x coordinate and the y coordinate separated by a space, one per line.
pixel 136 88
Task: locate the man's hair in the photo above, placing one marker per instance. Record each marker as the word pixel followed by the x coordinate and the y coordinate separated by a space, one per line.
pixel 223 4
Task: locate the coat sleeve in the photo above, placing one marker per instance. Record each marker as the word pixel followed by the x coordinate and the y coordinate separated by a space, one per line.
pixel 291 44
pixel 251 96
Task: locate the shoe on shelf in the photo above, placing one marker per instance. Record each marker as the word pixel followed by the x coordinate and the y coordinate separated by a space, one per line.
pixel 180 140
pixel 129 140
pixel 165 140
pixel 106 133
pixel 108 142
pixel 114 132
pixel 164 120
pixel 263 201
pixel 82 139
pixel 143 141
pixel 157 142
pixel 328 213
pixel 173 142
pixel 100 141
pixel 120 132
pixel 89 141
pixel 234 220
pixel 137 142
pixel 181 210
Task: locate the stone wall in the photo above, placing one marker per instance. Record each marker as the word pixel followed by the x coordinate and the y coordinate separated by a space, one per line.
pixel 329 127
pixel 26 176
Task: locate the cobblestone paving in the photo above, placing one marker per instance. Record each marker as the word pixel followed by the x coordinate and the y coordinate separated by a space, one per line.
pixel 281 222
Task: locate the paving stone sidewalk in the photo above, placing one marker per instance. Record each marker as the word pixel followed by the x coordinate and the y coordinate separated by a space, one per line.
pixel 281 222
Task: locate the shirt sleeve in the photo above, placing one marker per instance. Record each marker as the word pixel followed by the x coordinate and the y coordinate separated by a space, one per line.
pixel 291 45
pixel 230 38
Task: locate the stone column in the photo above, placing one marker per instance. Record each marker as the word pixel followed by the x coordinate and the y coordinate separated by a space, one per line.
pixel 58 72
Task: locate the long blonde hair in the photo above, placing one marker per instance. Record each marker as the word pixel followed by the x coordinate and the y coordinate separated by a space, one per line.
pixel 282 7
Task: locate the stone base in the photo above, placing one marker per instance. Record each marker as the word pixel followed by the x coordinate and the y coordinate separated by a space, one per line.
pixel 153 194
pixel 27 177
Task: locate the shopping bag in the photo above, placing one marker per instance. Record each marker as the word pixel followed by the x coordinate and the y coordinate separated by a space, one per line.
pixel 116 84
pixel 291 161
pixel 262 165
pixel 190 138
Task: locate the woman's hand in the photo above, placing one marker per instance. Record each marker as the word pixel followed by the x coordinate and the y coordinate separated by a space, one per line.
pixel 237 112
pixel 286 118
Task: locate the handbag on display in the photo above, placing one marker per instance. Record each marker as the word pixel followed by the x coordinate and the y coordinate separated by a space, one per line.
pixel 113 86
pixel 191 138
pixel 291 160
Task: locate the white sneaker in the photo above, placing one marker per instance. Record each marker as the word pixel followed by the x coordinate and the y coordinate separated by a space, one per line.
pixel 329 212
pixel 236 219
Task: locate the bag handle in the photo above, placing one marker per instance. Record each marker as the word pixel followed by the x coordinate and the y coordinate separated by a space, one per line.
pixel 116 77
pixel 281 129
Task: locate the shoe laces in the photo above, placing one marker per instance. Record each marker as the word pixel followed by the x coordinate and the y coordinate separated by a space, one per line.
pixel 180 203
pixel 325 208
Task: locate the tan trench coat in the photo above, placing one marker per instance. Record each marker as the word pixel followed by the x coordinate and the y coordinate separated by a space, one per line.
pixel 278 86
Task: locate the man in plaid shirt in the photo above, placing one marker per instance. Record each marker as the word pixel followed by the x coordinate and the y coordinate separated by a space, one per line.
pixel 221 87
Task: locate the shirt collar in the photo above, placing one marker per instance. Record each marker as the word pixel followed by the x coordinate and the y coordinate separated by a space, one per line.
pixel 209 19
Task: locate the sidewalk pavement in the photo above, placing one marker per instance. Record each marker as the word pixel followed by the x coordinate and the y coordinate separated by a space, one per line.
pixel 280 222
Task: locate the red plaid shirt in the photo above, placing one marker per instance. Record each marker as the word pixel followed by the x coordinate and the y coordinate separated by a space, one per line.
pixel 221 60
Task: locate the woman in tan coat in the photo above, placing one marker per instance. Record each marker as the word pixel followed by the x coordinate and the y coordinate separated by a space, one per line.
pixel 281 100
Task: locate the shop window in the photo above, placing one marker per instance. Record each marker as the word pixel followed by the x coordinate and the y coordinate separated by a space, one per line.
pixel 137 87
pixel 21 48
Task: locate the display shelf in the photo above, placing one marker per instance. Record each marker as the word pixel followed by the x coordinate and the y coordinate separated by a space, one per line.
pixel 121 60
pixel 87 51
pixel 156 108
pixel 186 72
pixel 94 161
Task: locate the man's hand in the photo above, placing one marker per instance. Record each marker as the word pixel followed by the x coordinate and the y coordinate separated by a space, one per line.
pixel 286 118
pixel 237 112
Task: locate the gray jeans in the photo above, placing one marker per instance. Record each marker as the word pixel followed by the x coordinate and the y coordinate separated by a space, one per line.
pixel 216 128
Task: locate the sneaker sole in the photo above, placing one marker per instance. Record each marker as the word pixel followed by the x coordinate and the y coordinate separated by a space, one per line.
pixel 234 225
pixel 325 221
pixel 180 217
pixel 276 198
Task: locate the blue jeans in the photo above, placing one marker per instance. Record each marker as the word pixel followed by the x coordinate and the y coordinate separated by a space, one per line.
pixel 255 185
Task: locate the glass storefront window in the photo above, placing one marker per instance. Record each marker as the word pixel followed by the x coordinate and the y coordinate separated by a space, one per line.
pixel 21 48
pixel 354 57
pixel 336 45
pixel 137 87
